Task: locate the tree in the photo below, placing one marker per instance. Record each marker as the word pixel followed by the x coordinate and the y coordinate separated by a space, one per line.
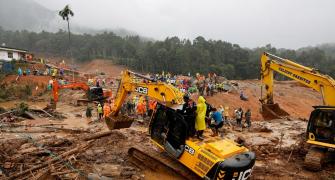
pixel 65 13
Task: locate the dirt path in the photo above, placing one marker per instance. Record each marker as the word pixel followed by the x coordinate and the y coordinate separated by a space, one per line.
pixel 101 65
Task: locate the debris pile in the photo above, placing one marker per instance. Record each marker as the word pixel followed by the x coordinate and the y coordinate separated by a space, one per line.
pixel 70 157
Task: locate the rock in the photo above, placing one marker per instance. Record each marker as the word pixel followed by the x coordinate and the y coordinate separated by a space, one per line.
pixel 128 173
pixel 135 177
pixel 93 176
pixel 110 170
pixel 8 165
pixel 78 115
pixel 128 168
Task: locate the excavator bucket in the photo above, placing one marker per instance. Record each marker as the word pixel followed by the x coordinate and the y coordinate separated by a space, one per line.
pixel 273 111
pixel 118 122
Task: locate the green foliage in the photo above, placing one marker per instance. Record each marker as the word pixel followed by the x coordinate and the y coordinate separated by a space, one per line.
pixel 172 54
pixel 66 12
pixel 21 108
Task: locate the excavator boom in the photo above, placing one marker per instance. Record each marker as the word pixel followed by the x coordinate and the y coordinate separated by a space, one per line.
pixel 320 129
pixel 305 75
pixel 95 93
pixel 132 82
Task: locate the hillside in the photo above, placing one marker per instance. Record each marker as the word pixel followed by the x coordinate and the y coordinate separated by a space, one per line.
pixel 25 14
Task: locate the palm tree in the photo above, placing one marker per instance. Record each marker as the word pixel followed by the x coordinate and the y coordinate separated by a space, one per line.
pixel 65 14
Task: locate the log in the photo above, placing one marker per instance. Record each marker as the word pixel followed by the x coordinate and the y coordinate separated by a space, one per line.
pixel 28 115
pixel 61 173
pixel 98 135
pixel 42 110
pixel 66 129
pixel 45 164
pixel 26 131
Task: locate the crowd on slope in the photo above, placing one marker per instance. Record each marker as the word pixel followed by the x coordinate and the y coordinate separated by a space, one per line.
pixel 205 115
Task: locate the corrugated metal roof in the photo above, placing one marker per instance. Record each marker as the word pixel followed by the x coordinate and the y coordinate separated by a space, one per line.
pixel 12 49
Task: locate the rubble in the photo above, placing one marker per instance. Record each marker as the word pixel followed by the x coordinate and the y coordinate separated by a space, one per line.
pixel 62 144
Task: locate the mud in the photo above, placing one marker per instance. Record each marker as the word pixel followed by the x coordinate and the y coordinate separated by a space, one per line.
pixel 279 144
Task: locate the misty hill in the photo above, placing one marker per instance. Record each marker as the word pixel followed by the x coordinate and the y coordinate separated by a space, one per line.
pixel 24 14
pixel 327 48
pixel 31 16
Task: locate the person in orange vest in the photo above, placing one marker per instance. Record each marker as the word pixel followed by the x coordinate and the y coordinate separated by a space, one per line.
pixel 107 109
pixel 141 108
pixel 152 106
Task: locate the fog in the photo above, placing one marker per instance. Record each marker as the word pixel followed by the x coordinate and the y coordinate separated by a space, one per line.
pixel 250 23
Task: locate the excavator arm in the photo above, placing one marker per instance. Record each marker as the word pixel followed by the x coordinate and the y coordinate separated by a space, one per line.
pixel 56 86
pixel 132 82
pixel 94 93
pixel 305 75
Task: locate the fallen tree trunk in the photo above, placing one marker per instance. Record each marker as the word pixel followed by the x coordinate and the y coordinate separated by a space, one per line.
pixel 98 135
pixel 66 129
pixel 43 111
pixel 27 131
pixel 59 158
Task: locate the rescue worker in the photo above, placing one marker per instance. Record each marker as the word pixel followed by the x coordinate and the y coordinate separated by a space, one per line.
pixel 248 118
pixel 238 116
pixel 140 109
pixel 188 110
pixel 218 122
pixel 152 106
pixel 100 112
pixel 200 124
pixel 28 71
pixel 226 113
pixel 107 109
pixel 88 112
pixel 135 102
pixel 54 72
pixel 61 72
pixel 19 71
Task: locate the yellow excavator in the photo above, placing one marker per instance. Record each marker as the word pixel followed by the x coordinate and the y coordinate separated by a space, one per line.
pixel 321 125
pixel 212 158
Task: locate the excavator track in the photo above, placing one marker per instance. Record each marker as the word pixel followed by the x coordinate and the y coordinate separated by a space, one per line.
pixel 314 159
pixel 161 162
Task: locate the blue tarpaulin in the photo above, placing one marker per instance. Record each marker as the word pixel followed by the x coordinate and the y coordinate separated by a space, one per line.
pixel 7 67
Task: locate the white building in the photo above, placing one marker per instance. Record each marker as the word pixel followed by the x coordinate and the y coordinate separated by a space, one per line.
pixel 8 54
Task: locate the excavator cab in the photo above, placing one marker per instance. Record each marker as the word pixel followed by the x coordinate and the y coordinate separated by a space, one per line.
pixel 95 93
pixel 321 137
pixel 169 129
pixel 321 125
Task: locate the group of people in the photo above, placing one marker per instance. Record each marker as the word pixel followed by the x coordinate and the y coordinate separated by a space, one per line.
pixel 21 72
pixel 103 109
pixel 140 105
pixel 201 115
pixel 239 116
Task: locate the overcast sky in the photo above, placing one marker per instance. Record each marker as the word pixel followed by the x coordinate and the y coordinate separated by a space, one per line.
pixel 250 23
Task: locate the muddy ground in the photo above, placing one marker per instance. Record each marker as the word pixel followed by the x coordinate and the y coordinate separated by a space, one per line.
pixel 66 145
pixel 28 143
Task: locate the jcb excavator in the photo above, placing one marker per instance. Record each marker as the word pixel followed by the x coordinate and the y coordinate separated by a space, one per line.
pixel 212 158
pixel 92 93
pixel 321 124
